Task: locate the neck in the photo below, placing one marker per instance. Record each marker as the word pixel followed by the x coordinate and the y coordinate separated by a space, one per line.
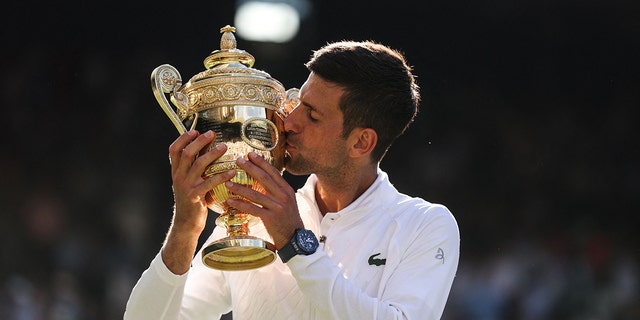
pixel 336 192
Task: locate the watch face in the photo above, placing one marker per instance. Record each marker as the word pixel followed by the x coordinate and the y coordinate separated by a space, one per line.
pixel 307 241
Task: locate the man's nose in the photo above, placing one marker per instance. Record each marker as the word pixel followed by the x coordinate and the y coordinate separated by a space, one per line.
pixel 291 123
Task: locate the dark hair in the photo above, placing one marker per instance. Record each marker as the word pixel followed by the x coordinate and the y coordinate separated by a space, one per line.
pixel 380 90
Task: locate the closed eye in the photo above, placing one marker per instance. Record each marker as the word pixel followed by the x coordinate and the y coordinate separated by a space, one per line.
pixel 310 111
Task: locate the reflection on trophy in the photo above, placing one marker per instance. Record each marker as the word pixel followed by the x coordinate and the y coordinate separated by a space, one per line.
pixel 245 108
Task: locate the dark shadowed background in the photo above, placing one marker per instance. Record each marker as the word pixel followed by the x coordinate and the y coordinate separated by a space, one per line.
pixel 527 132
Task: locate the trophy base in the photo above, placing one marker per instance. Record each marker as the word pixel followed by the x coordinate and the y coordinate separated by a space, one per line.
pixel 235 253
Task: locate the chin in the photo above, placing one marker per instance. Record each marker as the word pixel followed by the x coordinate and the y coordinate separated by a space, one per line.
pixel 291 168
pixel 287 165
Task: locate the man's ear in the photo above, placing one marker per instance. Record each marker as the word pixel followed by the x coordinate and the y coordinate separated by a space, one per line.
pixel 362 140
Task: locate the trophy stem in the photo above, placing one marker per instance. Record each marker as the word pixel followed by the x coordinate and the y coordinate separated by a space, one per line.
pixel 237 251
pixel 237 223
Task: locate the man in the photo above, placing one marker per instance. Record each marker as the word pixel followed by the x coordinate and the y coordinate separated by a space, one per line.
pixel 382 255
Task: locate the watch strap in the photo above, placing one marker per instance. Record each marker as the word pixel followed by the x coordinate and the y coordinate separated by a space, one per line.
pixel 288 251
pixel 293 248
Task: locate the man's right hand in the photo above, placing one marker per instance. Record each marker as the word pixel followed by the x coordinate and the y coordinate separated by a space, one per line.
pixel 189 159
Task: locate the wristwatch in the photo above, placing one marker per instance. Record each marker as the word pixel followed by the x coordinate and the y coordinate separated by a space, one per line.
pixel 303 242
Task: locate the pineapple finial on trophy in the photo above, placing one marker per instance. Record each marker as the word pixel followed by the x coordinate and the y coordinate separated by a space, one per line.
pixel 228 40
pixel 228 54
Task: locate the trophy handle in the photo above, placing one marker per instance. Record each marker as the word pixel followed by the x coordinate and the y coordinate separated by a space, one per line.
pixel 166 79
pixel 292 100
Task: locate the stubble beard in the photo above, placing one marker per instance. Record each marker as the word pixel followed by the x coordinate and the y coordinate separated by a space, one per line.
pixel 297 167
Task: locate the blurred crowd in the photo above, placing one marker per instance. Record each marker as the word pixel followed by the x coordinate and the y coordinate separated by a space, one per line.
pixel 86 199
pixel 535 157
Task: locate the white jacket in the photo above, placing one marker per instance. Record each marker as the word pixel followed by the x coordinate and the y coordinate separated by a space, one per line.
pixel 386 256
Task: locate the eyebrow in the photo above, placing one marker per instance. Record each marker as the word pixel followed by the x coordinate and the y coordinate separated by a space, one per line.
pixel 311 107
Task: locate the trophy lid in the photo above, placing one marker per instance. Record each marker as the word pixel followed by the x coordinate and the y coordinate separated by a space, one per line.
pixel 228 53
pixel 228 81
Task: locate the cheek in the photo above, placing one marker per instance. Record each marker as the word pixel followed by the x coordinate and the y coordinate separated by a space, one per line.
pixel 316 144
pixel 330 146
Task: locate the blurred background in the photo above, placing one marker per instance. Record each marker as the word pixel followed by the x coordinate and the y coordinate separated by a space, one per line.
pixel 527 132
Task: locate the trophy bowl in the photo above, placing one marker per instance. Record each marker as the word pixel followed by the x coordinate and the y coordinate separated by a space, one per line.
pixel 245 108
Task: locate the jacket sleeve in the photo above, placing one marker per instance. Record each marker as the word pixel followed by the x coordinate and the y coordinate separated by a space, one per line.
pixel 157 294
pixel 201 293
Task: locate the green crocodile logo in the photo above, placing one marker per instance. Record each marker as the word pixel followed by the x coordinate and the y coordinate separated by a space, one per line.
pixel 373 261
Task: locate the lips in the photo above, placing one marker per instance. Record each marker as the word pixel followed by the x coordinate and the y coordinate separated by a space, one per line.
pixel 288 145
pixel 288 149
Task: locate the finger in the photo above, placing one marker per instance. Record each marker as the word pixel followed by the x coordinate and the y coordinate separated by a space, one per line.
pixel 248 207
pixel 255 202
pixel 203 161
pixel 192 150
pixel 175 149
pixel 211 182
pixel 280 219
pixel 263 164
pixel 261 170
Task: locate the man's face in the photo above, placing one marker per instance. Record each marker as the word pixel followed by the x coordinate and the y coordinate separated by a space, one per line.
pixel 314 130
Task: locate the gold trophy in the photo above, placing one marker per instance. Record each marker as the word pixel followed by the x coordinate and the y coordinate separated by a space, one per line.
pixel 245 108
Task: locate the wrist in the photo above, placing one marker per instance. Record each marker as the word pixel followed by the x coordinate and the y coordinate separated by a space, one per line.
pixel 303 242
pixel 179 248
pixel 177 257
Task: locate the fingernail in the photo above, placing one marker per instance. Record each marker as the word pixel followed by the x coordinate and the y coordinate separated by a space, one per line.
pixel 228 184
pixel 208 134
pixel 220 146
pixel 241 160
pixel 191 133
